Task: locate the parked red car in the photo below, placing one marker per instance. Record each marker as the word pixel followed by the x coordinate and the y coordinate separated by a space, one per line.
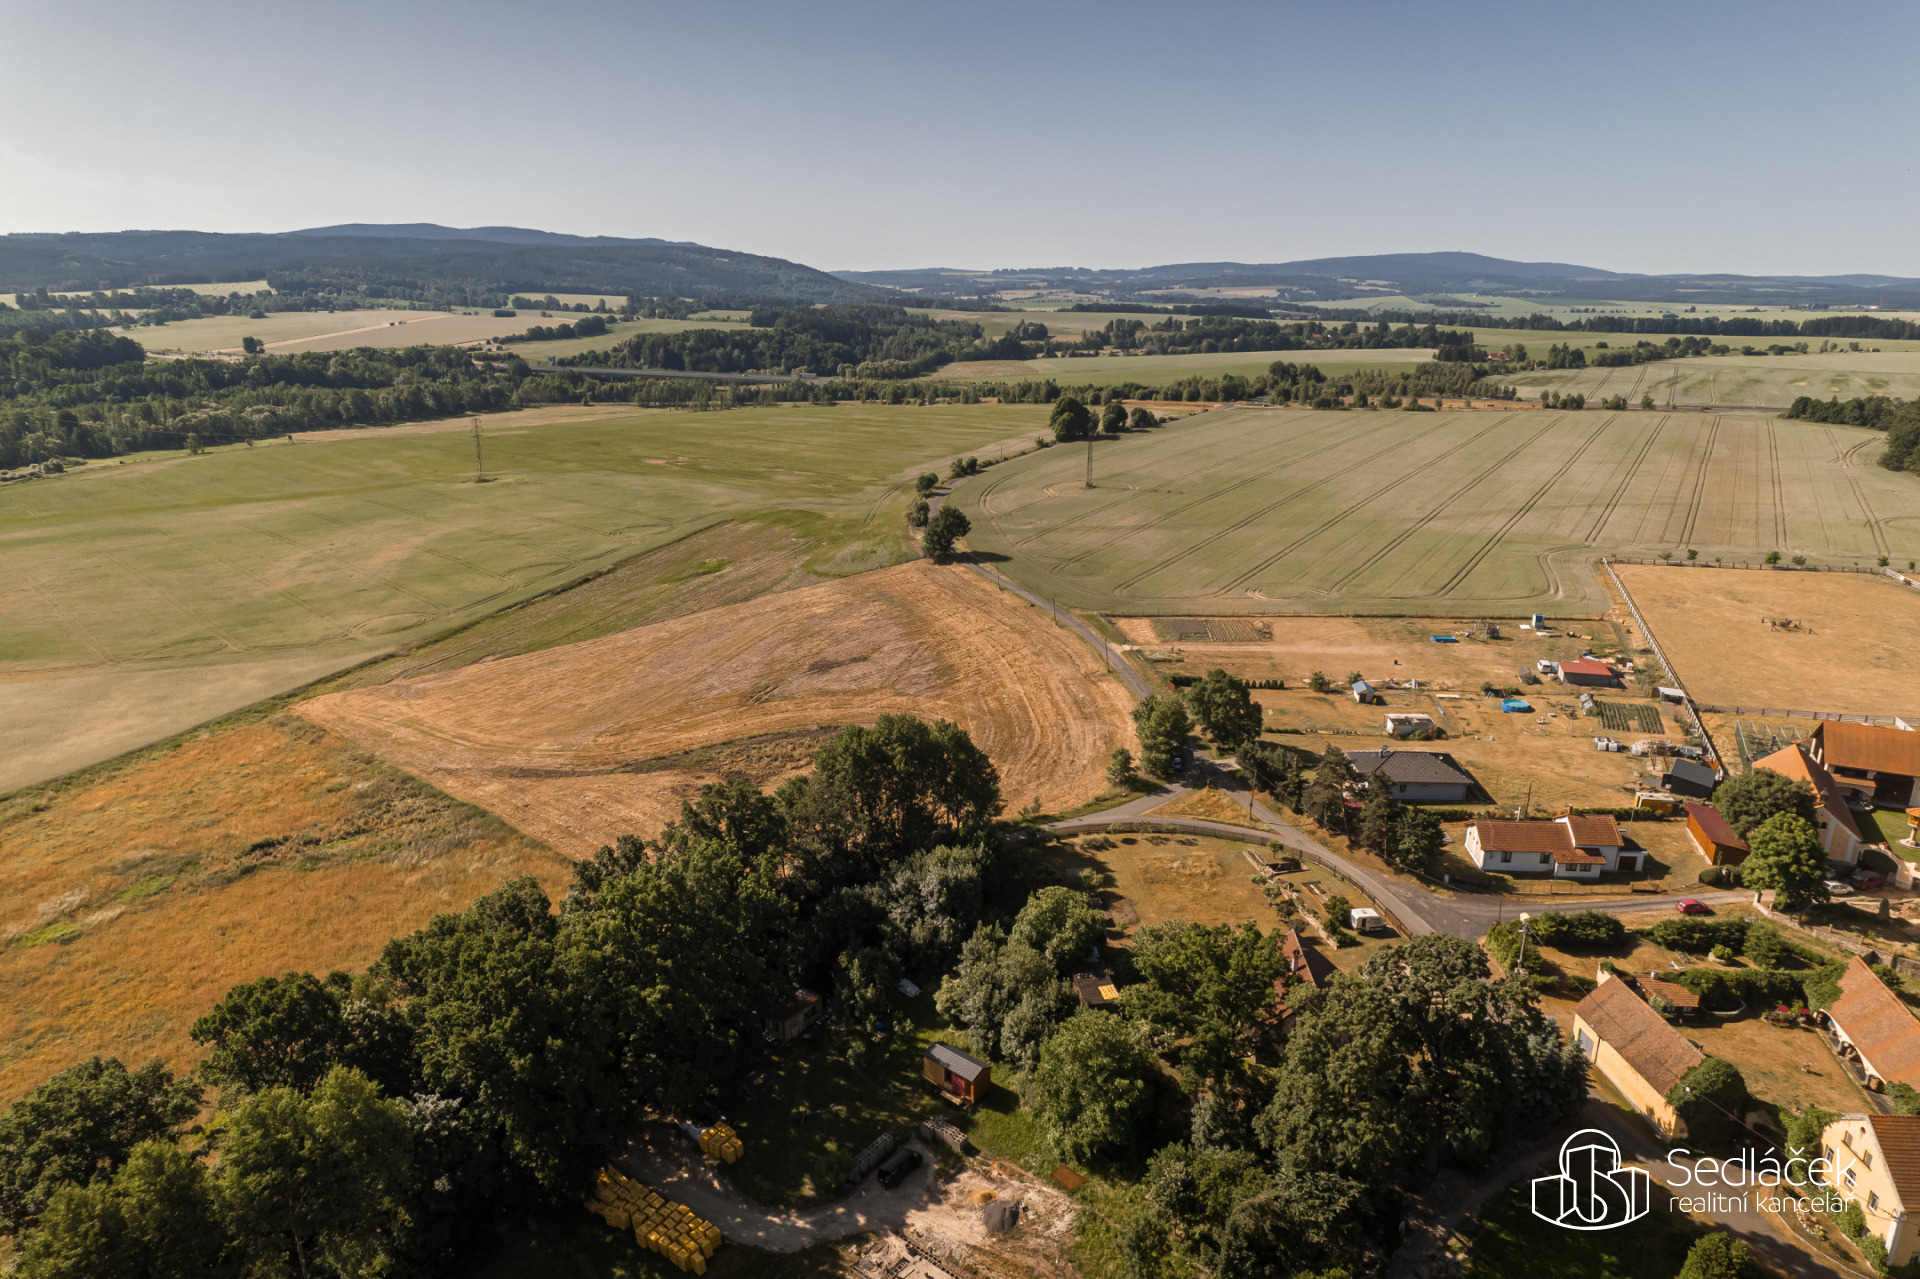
pixel 1689 906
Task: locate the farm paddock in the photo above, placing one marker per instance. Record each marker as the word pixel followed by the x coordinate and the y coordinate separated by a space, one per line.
pixel 1249 511
pixel 1849 647
pixel 578 744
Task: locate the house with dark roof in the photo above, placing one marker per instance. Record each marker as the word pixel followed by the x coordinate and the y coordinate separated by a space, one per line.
pixel 1874 1161
pixel 1873 1029
pixel 1570 847
pixel 1420 777
pixel 1839 832
pixel 1633 1046
pixel 1714 838
pixel 1879 764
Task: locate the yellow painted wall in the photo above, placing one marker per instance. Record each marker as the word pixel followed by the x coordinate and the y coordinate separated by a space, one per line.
pixel 1904 1241
pixel 1638 1092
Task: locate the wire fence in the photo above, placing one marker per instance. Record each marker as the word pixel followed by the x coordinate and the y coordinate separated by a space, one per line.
pixel 1673 677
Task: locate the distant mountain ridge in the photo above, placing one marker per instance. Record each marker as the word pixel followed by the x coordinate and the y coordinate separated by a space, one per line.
pixel 412 260
pixel 1332 279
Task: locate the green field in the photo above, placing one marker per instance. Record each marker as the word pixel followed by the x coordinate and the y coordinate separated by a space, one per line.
pixel 616 333
pixel 1160 370
pixel 1772 380
pixel 192 584
pixel 1265 510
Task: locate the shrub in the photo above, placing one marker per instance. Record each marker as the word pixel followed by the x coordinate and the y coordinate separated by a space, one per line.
pixel 1765 947
pixel 1587 928
pixel 1721 955
pixel 1852 1220
pixel 1697 936
pixel 1823 986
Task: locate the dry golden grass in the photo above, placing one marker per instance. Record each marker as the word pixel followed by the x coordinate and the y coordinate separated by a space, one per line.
pixel 1207 805
pixel 136 895
pixel 1854 653
pixel 581 743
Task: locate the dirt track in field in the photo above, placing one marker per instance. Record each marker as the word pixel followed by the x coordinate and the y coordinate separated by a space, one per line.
pixel 578 744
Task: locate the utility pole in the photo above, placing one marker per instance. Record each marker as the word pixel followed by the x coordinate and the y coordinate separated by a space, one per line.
pixel 478 470
pixel 1089 459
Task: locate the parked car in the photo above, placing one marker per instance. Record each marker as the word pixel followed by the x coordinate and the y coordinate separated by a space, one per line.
pixel 1839 888
pixel 1868 879
pixel 1692 906
pixel 898 1166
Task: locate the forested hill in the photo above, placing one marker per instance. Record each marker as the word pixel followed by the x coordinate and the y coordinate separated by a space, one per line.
pixel 412 261
pixel 1332 279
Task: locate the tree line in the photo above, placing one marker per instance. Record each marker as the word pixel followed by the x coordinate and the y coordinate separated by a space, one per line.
pixel 1841 326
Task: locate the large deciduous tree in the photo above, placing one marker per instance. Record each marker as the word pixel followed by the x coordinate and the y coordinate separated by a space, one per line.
pixel 79 1128
pixel 1093 1085
pixel 1749 800
pixel 1162 725
pixel 1224 706
pixel 1070 420
pixel 1784 854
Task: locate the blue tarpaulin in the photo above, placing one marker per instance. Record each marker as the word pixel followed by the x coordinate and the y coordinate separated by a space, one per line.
pixel 1446 639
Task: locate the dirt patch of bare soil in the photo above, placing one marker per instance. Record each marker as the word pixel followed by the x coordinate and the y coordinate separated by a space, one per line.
pixel 1783 639
pixel 132 898
pixel 578 744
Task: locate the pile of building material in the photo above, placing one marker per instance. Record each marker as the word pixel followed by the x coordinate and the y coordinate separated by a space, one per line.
pixel 720 1141
pixel 660 1225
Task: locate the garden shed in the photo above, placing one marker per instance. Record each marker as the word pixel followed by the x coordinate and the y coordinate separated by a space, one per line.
pixel 961 1078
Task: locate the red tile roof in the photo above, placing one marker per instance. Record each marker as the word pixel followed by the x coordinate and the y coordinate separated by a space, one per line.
pixel 1586 666
pixel 1523 837
pixel 1656 1051
pixel 1864 746
pixel 1304 962
pixel 1793 761
pixel 1593 832
pixel 1898 1137
pixel 1878 1025
pixel 1674 993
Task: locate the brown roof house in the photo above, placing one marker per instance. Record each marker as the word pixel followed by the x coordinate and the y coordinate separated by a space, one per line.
pixel 786 1022
pixel 1873 1030
pixel 1633 1046
pixel 1096 990
pixel 1571 847
pixel 1713 837
pixel 1839 833
pixel 1877 763
pixel 1304 964
pixel 1875 1162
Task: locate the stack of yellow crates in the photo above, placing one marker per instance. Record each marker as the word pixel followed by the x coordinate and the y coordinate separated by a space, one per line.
pixel 721 1142
pixel 661 1225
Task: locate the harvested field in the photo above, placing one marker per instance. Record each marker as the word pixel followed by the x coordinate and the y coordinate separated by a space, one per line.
pixel 1850 649
pixel 1162 370
pixel 578 744
pixel 1255 511
pixel 137 894
pixel 1771 380
pixel 317 554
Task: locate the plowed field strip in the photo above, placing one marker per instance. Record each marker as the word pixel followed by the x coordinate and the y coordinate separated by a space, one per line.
pixel 1699 483
pixel 1847 464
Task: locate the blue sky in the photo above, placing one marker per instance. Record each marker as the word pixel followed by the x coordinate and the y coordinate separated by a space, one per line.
pixel 1703 136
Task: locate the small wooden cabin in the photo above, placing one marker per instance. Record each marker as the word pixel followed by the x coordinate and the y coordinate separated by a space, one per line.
pixel 786 1022
pixel 959 1077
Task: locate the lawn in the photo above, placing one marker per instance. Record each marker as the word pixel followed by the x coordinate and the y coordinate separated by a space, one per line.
pixel 1451 514
pixel 1509 1242
pixel 1893 827
pixel 349 542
